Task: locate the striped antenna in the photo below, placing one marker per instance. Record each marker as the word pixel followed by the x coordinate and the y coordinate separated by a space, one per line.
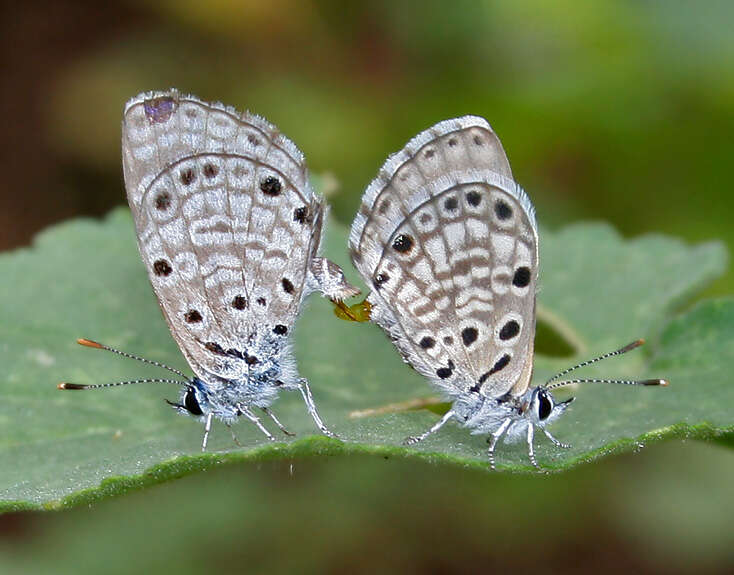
pixel 96 345
pixel 629 347
pixel 660 382
pixel 67 385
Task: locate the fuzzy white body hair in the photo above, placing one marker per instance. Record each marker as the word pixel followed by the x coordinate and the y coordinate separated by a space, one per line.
pixel 229 229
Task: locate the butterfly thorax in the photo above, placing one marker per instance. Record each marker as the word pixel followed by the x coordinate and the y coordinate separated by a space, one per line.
pixel 472 408
pixel 227 400
pixel 265 366
pixel 484 415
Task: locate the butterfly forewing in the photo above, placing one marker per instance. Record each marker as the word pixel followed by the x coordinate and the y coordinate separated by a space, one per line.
pixel 448 243
pixel 226 236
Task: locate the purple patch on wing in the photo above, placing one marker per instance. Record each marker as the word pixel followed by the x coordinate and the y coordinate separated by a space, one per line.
pixel 159 110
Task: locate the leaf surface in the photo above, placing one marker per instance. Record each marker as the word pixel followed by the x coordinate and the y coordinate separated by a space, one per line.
pixel 85 279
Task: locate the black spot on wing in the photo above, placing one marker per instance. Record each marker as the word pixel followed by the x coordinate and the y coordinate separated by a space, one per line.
pixel 502 210
pixel 403 243
pixel 446 372
pixel 187 176
pixel 473 198
pixel 162 268
pixel 522 277
pixel 270 186
pixel 193 316
pixel 469 335
pixel 509 330
pixel 210 170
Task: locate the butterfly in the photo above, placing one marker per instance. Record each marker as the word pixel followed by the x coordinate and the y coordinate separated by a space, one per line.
pixel 229 229
pixel 448 243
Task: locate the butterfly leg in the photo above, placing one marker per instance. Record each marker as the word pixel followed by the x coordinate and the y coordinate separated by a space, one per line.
pixel 555 441
pixel 308 398
pixel 234 437
pixel 330 280
pixel 416 438
pixel 495 438
pixel 256 420
pixel 270 414
pixel 531 451
pixel 207 429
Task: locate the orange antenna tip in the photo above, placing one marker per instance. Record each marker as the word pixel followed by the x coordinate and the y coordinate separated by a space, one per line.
pixel 66 385
pixel 630 346
pixel 88 343
pixel 660 382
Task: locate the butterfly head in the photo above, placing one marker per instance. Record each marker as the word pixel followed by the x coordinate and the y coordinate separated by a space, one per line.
pixel 543 408
pixel 193 399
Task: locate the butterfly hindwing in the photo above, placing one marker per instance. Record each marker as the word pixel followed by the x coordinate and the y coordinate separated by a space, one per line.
pixel 226 236
pixel 448 243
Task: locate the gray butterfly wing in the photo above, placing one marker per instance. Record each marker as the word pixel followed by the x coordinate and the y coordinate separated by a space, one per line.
pixel 449 244
pixel 228 225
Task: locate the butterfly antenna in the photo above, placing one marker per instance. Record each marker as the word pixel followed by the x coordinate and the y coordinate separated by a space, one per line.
pixel 629 347
pixel 660 382
pixel 67 385
pixel 96 345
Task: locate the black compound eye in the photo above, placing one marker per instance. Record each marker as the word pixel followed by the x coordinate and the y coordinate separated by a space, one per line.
pixel 191 403
pixel 545 405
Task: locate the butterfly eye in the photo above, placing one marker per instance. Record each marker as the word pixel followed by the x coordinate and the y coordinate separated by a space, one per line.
pixel 191 403
pixel 545 405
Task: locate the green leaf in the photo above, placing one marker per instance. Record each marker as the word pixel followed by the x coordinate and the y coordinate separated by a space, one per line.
pixel 85 279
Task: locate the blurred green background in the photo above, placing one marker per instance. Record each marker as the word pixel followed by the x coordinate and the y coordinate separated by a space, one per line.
pixel 618 111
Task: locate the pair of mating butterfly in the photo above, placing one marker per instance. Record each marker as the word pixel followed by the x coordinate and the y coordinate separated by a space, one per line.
pixel 229 229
